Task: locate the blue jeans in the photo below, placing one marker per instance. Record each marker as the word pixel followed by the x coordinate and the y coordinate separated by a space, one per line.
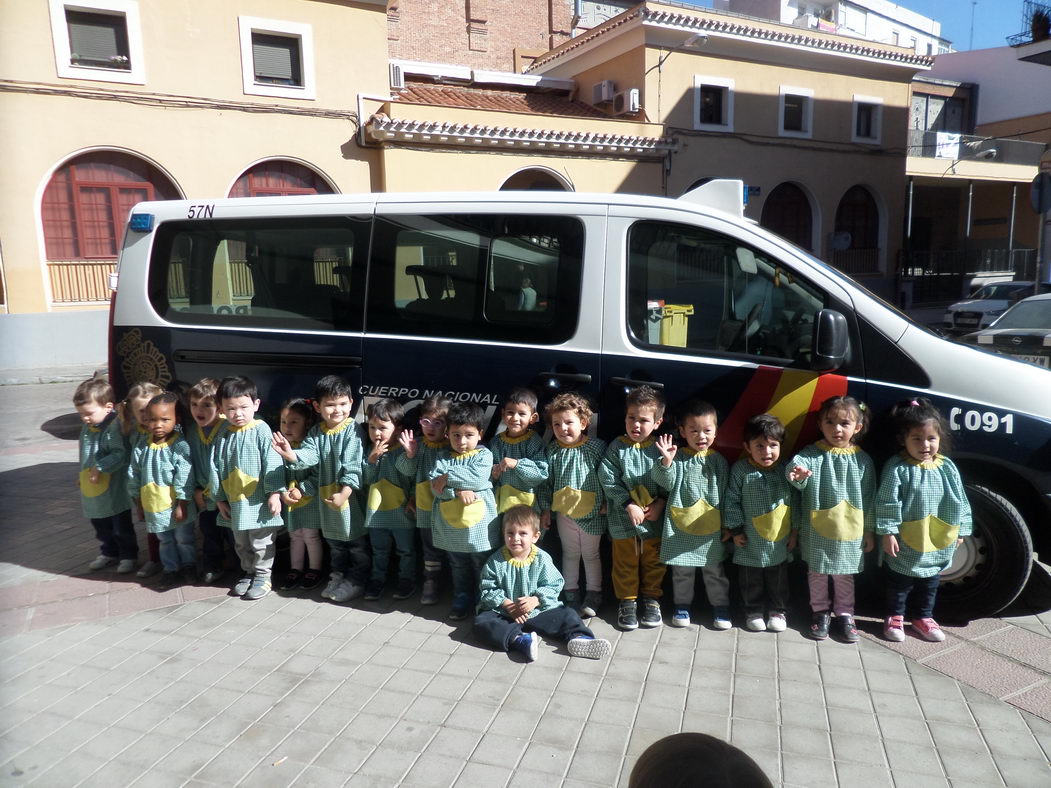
pixel 178 547
pixel 432 556
pixel 467 572
pixel 350 559
pixel 383 539
pixel 924 590
pixel 116 536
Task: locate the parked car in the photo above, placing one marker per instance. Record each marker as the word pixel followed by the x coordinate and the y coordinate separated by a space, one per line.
pixel 1022 332
pixel 987 304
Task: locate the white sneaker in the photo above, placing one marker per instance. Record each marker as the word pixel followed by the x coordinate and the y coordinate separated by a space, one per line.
pixel 333 582
pixel 149 569
pixel 590 648
pixel 755 624
pixel 346 591
pixel 126 566
pixel 101 562
pixel 776 622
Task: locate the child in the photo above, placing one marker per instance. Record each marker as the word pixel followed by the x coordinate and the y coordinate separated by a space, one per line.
pixel 759 512
pixel 573 495
pixel 247 479
pixel 838 482
pixel 922 515
pixel 417 462
pixel 694 535
pixel 103 466
pixel 519 596
pixel 521 459
pixel 216 539
pixel 388 522
pixel 635 506
pixel 301 517
pixel 161 482
pixel 334 446
pixel 132 414
pixel 464 517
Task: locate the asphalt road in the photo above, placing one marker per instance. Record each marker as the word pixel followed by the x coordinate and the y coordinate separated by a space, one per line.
pixel 38 414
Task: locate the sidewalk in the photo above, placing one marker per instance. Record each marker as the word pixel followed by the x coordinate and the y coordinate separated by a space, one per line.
pixel 73 373
pixel 107 682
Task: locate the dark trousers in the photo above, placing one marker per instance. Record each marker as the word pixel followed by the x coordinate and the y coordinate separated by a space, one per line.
pixel 116 535
pixel 432 556
pixel 560 623
pixel 351 559
pixel 764 589
pixel 467 571
pixel 215 540
pixel 923 590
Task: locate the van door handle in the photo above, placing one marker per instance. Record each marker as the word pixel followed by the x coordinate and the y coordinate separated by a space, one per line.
pixel 632 383
pixel 567 377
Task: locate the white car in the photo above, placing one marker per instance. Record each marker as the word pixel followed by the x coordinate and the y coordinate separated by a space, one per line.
pixel 987 304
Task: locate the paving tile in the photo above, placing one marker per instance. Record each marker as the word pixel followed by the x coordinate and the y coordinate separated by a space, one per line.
pixel 804 715
pixel 188 758
pixel 918 758
pixel 806 741
pixel 546 758
pixel 593 768
pixel 319 777
pixel 904 729
pixel 434 770
pixel 499 750
pixel 805 770
pixel 991 673
pixel 974 765
pixel 275 774
pixel 1019 771
pixel 753 735
pixel 1036 700
pixel 849 773
pixel 476 774
pixel 852 748
pixel 1012 744
pixel 344 754
pixel 936 709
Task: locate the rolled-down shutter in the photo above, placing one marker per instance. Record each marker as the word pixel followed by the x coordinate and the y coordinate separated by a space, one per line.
pixel 276 59
pixel 98 38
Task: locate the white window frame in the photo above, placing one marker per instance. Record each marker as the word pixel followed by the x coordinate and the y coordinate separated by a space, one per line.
pixel 877 120
pixel 247 25
pixel 808 114
pixel 129 9
pixel 700 81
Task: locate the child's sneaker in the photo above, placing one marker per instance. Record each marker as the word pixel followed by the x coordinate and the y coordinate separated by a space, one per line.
pixel 928 629
pixel 346 591
pixel 894 629
pixel 405 589
pixel 242 585
pixel 651 613
pixel 101 562
pixel 211 575
pixel 374 590
pixel 592 603
pixel 571 599
pixel 528 644
pixel 627 616
pixel 126 566
pixel 461 607
pixel 819 622
pixel 259 588
pixel 311 580
pixel 149 569
pixel 776 622
pixel 189 575
pixel 848 629
pixel 721 618
pixel 334 581
pixel 291 580
pixel 588 647
pixel 755 623
pixel 681 616
pixel 429 595
pixel 169 579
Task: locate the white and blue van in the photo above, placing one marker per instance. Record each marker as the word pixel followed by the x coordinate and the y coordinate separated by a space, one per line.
pixel 472 294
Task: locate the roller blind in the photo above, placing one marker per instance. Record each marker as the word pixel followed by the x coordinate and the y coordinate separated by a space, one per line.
pixel 97 38
pixel 276 59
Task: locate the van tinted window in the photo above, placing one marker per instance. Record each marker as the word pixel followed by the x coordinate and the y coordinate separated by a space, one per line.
pixel 696 289
pixel 478 276
pixel 272 273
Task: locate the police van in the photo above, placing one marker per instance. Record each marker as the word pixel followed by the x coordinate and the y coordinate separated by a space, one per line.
pixel 471 294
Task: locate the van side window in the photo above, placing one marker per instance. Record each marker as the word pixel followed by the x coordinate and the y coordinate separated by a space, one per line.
pixel 479 276
pixel 702 291
pixel 272 273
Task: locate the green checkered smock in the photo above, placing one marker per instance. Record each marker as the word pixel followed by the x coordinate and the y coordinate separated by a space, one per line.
pixel 388 492
pixel 837 503
pixel 504 577
pixel 519 485
pixel 160 474
pixel 306 512
pixel 924 503
pixel 419 469
pixel 474 528
pixel 573 486
pixel 626 476
pixel 201 441
pixel 761 504
pixel 103 447
pixel 337 455
pixel 245 470
pixel 693 523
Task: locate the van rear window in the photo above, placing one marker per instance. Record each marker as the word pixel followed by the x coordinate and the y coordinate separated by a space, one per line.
pixel 274 273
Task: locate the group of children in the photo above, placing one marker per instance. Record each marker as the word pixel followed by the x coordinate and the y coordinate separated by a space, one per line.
pixel 368 491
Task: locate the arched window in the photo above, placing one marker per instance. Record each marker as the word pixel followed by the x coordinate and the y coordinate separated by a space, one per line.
pixel 787 213
pixel 535 180
pixel 857 230
pixel 277 178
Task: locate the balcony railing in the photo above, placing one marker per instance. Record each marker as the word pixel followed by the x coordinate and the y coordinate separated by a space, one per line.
pixel 80 281
pixel 946 275
pixel 856 261
pixel 971 147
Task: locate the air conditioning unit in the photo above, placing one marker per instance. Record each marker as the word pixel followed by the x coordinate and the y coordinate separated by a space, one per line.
pixel 397 77
pixel 626 102
pixel 603 92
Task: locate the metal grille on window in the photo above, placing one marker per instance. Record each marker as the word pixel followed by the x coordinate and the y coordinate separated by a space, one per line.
pixel 99 40
pixel 276 59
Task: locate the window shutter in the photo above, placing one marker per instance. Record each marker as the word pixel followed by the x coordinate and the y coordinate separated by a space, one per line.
pixel 276 59
pixel 97 37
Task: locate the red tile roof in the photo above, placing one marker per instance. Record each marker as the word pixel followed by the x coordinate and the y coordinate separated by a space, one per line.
pixel 523 102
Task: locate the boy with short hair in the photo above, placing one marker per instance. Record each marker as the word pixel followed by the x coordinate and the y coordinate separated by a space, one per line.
pixel 761 505
pixel 246 479
pixel 635 510
pixel 518 452
pixel 463 518
pixel 335 446
pixel 103 466
pixel 694 536
pixel 208 422
pixel 519 596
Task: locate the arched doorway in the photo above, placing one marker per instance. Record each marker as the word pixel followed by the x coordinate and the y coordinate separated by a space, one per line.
pixel 856 240
pixel 83 211
pixel 536 179
pixel 279 178
pixel 787 212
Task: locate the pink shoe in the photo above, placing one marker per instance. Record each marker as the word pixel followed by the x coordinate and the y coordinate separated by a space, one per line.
pixel 928 629
pixel 894 629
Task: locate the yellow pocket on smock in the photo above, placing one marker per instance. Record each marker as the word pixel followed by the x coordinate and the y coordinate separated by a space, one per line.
pixel 774 525
pixel 929 534
pixel 385 496
pixel 574 504
pixel 156 498
pixel 306 500
pixel 91 489
pixel 328 491
pixel 508 496
pixel 641 496
pixel 701 519
pixel 460 515
pixel 844 522
pixel 424 497
pixel 239 485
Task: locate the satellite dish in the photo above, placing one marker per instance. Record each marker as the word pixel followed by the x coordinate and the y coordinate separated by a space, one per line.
pixel 840 241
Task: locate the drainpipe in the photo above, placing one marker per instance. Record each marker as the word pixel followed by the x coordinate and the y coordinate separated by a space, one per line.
pixel 1011 229
pixel 908 216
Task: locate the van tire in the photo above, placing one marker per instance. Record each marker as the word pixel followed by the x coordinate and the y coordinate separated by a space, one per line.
pixel 996 563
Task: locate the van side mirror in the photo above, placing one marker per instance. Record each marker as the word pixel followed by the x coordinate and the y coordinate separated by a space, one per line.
pixel 831 344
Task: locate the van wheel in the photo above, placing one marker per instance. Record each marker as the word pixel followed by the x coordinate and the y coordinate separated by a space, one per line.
pixel 991 567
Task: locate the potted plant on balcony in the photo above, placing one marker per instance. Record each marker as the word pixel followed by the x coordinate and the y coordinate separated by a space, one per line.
pixel 1040 25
